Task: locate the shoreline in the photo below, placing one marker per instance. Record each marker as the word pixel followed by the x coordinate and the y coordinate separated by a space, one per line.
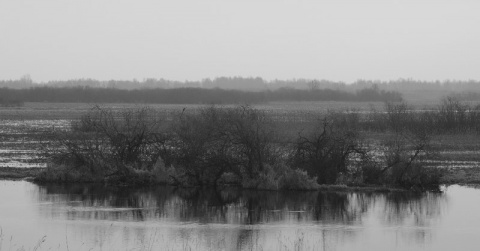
pixel 29 174
pixel 13 173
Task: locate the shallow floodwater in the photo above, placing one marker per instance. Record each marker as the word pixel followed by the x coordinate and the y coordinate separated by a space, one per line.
pixel 80 217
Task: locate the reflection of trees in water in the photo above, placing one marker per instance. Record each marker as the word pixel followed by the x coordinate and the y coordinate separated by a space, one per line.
pixel 238 206
pixel 247 239
pixel 335 207
pixel 105 203
pixel 420 208
pixel 417 211
pixel 248 211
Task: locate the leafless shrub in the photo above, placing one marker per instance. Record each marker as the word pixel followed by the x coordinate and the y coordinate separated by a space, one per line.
pixel 105 142
pixel 218 140
pixel 327 151
pixel 199 149
pixel 251 134
pixel 402 161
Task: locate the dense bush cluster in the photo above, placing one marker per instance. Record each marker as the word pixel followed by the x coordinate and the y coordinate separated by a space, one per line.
pixel 236 146
pixel 105 143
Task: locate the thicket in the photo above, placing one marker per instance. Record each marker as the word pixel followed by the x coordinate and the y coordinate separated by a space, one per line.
pixel 239 146
pixel 107 145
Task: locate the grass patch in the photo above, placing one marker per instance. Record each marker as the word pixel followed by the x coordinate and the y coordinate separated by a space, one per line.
pixel 12 173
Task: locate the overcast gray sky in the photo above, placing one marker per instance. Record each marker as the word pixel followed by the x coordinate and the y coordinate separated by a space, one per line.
pixel 195 39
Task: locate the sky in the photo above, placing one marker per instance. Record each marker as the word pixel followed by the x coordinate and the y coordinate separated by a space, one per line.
pixel 339 40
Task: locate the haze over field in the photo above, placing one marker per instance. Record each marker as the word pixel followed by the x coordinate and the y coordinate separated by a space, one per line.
pixel 191 40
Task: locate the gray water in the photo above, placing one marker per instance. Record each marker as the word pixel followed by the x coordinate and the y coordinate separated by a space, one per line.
pixel 81 217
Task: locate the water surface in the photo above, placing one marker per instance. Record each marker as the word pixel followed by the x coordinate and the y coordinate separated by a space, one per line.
pixel 89 217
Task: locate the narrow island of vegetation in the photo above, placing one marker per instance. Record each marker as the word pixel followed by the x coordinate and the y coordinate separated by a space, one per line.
pixel 243 146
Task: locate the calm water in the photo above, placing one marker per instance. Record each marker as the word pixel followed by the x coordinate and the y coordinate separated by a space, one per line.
pixel 78 217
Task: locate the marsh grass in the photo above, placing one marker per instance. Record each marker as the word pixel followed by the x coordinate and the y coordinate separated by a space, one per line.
pixel 17 247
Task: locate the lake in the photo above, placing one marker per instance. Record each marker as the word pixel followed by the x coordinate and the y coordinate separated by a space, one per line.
pixel 93 217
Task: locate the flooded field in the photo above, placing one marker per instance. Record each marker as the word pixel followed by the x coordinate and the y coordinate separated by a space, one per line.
pixel 21 141
pixel 22 129
pixel 81 217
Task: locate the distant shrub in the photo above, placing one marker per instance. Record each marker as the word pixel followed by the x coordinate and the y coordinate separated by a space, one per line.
pixel 229 178
pixel 281 177
pixel 66 174
pixel 160 172
pixel 251 135
pixel 450 116
pixel 296 179
pixel 326 152
pixel 136 176
pixel 401 162
pixel 199 149
pixel 215 140
pixel 107 143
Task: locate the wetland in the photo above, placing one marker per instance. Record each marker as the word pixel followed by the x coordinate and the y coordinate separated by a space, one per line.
pixel 94 217
pixel 49 216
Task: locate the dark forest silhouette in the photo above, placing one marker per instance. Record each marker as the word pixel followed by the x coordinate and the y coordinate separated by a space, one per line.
pixel 190 95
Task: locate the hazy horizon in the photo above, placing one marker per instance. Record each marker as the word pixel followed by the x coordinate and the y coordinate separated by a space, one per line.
pixel 306 80
pixel 342 40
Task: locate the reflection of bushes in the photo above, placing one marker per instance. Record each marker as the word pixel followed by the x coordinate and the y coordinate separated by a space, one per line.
pixel 400 206
pixel 243 206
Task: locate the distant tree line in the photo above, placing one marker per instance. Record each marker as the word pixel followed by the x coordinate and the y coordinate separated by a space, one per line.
pixel 9 102
pixel 189 95
pixel 253 84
